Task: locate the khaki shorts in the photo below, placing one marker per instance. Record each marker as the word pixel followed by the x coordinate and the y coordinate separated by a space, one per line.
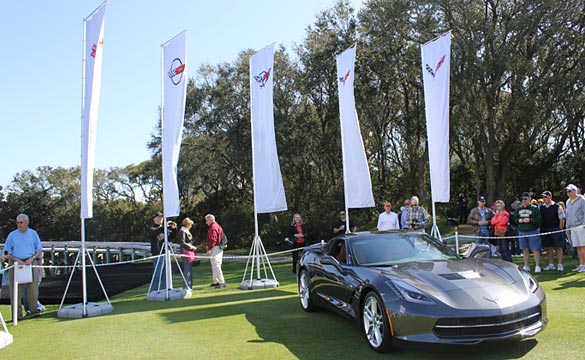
pixel 578 236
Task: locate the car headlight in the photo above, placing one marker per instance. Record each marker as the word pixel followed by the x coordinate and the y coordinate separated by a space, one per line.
pixel 408 292
pixel 529 281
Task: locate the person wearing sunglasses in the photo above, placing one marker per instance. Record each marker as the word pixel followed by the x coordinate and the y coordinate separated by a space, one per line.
pixel 575 220
pixel 528 218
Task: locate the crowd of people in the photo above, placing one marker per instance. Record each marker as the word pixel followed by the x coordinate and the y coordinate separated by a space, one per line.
pixel 529 226
pixel 189 248
pixel 532 226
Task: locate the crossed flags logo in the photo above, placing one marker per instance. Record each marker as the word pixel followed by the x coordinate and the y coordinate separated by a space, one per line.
pixel 94 47
pixel 344 78
pixel 176 71
pixel 262 78
pixel 439 63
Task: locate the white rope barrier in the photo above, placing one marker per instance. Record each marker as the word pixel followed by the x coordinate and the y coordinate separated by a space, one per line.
pixel 245 257
pixel 517 236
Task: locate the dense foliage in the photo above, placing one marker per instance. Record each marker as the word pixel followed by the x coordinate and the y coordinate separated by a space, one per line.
pixel 516 123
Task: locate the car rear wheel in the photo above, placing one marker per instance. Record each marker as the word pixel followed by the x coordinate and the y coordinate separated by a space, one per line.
pixel 375 323
pixel 305 292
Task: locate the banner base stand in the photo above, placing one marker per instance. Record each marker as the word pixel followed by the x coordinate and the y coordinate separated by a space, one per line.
pixel 171 294
pixel 5 339
pixel 257 284
pixel 76 311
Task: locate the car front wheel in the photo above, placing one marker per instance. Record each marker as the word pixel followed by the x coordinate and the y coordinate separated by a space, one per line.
pixel 375 323
pixel 305 292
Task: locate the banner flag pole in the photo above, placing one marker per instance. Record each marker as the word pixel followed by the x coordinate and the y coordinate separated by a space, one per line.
pixel 436 68
pixel 357 189
pixel 265 165
pixel 91 65
pixel 172 115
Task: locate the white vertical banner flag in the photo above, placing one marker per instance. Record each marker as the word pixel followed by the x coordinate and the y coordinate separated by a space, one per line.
pixel 92 75
pixel 174 76
pixel 268 188
pixel 436 67
pixel 358 184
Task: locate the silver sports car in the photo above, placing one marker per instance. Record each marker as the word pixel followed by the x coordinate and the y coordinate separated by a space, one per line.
pixel 410 286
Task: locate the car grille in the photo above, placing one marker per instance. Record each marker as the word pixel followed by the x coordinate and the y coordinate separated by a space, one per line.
pixel 489 326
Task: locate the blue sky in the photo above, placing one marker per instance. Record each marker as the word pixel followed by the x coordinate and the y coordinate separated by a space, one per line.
pixel 40 69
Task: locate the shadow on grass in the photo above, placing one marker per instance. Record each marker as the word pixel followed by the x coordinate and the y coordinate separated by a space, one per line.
pixel 278 318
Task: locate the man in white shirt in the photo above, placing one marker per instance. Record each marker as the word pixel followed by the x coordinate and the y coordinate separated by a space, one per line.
pixel 388 220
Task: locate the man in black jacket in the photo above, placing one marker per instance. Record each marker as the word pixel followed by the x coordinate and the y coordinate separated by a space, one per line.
pixel 156 235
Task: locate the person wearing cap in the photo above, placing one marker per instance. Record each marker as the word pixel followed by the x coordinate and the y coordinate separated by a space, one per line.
pixel 528 220
pixel 156 235
pixel 388 220
pixel 575 221
pixel 480 218
pixel 553 220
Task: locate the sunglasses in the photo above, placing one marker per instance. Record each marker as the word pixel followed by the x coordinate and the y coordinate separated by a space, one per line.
pixel 525 199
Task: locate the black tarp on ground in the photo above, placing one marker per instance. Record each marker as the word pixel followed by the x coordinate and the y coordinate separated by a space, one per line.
pixel 116 279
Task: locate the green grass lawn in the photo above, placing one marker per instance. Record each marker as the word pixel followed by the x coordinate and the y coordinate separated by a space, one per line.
pixel 266 324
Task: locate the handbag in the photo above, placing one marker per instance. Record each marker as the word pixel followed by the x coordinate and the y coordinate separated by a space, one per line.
pixel 23 275
pixel 190 255
pixel 500 232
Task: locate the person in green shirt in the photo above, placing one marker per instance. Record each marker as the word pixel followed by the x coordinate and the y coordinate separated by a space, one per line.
pixel 528 220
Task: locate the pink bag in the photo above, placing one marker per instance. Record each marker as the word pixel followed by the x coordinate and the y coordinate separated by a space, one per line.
pixel 191 256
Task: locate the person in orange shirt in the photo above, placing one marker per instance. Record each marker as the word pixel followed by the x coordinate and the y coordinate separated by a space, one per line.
pixel 499 223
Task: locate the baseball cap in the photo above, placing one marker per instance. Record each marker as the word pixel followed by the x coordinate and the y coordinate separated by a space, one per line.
pixel 481 198
pixel 407 202
pixel 157 214
pixel 526 195
pixel 571 187
pixel 546 193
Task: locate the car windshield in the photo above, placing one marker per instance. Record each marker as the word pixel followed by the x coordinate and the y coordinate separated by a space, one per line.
pixel 392 249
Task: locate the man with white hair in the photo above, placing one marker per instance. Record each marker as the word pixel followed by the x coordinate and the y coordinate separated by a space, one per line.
pixel 22 248
pixel 214 235
pixel 417 217
pixel 575 222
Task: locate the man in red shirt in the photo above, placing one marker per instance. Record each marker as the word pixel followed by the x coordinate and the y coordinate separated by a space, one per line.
pixel 214 250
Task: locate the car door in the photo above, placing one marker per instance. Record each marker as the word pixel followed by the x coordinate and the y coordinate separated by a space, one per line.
pixel 339 280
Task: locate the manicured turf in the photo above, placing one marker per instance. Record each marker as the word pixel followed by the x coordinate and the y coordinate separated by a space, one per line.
pixel 267 324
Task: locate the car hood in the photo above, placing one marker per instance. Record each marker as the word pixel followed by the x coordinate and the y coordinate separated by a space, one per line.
pixel 465 284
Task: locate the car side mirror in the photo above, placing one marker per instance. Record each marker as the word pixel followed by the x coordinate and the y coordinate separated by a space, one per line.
pixel 329 260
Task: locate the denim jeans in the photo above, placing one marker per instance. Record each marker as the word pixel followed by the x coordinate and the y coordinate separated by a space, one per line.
pixel 160 274
pixel 481 236
pixel 188 273
pixel 505 249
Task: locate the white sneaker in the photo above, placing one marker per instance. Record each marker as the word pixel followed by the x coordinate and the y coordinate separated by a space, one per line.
pixel 537 269
pixel 582 270
pixel 526 268
pixel 578 268
pixel 560 267
pixel 549 267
